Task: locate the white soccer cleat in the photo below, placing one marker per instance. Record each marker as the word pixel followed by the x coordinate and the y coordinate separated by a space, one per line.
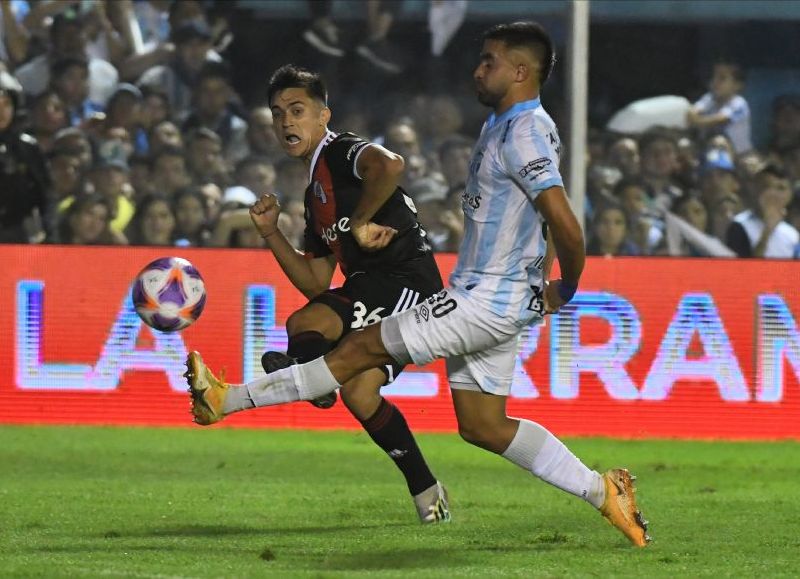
pixel 432 505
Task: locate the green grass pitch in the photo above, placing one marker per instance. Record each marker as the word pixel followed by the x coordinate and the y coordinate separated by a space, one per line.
pixel 164 503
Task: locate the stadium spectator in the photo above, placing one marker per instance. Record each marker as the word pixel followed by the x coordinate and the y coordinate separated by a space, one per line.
pixel 125 110
pixel 645 230
pixel 140 176
pixel 65 176
pixel 177 77
pixel 191 218
pixel 443 119
pixel 454 156
pixel 47 117
pixel 153 223
pixel 260 135
pixel 723 108
pixel 784 124
pixel 204 157
pixel 75 142
pixel 110 179
pixel 762 231
pixel 659 161
pixel 87 222
pixel 234 228
pixel 609 232
pixel 26 208
pixel 323 34
pixel 691 209
pixel 718 177
pixel 291 180
pixel 401 136
pixel 212 97
pixel 624 155
pixel 721 213
pixel 155 107
pixel 257 174
pixel 14 38
pixel 69 79
pixel 164 135
pixel 169 172
pixel 68 40
pixel 790 163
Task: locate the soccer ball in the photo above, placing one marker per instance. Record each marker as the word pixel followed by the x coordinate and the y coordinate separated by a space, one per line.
pixel 169 294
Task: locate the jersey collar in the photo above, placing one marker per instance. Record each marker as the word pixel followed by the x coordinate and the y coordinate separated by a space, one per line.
pixel 512 112
pixel 329 136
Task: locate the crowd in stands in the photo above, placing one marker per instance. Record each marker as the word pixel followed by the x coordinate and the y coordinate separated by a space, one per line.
pixel 120 124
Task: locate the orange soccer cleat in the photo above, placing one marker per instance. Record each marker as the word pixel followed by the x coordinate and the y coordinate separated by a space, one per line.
pixel 208 392
pixel 620 509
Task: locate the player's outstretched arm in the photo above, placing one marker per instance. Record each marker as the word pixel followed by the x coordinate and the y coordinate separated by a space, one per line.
pixel 567 237
pixel 310 276
pixel 380 171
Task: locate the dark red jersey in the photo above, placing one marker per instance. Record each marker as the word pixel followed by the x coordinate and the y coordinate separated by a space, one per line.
pixel 331 198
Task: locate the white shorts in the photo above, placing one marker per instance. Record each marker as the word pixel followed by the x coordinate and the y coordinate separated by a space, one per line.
pixel 480 346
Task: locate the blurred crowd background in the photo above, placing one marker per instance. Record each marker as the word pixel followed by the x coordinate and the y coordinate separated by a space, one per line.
pixel 145 122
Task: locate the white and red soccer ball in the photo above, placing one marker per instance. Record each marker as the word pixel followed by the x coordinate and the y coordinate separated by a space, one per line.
pixel 169 294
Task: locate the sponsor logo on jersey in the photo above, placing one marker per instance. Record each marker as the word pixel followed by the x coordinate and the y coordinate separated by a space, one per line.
pixel 319 192
pixel 536 166
pixel 331 234
pixel 354 149
pixel 470 200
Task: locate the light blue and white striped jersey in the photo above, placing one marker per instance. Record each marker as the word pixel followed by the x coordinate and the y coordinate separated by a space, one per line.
pixel 502 253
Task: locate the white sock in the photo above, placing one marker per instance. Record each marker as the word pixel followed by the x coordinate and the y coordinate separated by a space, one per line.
pixel 536 450
pixel 297 382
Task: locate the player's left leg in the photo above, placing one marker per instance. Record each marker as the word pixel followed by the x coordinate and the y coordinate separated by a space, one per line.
pixel 388 429
pixel 480 384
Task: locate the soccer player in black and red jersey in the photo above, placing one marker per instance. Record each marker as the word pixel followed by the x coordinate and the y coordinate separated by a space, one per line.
pixel 392 270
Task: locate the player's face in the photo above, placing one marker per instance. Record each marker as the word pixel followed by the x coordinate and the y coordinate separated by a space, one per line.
pixel 494 74
pixel 299 122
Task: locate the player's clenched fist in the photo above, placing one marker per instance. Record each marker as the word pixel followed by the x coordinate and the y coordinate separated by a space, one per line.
pixel 372 236
pixel 264 214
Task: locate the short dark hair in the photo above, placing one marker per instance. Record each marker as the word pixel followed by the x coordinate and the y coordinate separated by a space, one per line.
pixel 291 76
pixel 655 134
pixel 530 35
pixel 626 182
pixel 770 170
pixel 216 70
pixel 250 161
pixel 736 69
pixel 168 151
pixel 62 65
pixel 202 134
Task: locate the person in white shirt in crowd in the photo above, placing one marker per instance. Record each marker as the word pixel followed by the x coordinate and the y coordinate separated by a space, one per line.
pixel 723 108
pixel 68 39
pixel 763 231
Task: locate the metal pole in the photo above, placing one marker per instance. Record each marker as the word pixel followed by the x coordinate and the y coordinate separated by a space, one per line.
pixel 577 95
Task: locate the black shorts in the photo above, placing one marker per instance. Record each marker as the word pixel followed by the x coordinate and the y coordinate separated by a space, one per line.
pixel 366 297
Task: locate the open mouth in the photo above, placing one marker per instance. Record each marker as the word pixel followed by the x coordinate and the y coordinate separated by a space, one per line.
pixel 292 139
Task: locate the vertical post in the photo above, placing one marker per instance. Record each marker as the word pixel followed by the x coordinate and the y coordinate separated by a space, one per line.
pixel 577 95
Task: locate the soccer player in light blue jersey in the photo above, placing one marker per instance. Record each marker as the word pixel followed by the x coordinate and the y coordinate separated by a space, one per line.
pixel 514 204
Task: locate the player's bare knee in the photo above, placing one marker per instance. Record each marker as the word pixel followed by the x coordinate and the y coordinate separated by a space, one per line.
pixel 366 347
pixel 481 435
pixel 314 319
